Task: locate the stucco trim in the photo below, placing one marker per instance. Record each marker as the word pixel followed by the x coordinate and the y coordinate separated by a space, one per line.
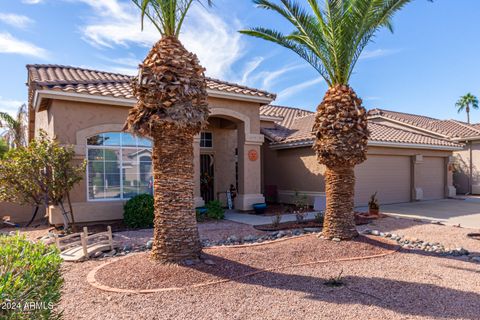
pixel 372 144
pixel 250 138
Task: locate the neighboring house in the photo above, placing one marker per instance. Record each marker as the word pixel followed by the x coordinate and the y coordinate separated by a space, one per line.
pixel 260 149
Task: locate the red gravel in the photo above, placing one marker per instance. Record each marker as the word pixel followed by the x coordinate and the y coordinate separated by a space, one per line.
pixel 232 262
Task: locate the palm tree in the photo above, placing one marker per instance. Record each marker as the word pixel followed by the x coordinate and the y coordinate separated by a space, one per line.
pixel 16 127
pixel 331 38
pixel 172 107
pixel 465 102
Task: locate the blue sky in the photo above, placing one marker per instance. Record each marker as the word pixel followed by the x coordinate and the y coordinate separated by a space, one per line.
pixel 429 61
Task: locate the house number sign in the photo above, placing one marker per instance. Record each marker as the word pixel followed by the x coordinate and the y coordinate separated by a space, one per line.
pixel 253 155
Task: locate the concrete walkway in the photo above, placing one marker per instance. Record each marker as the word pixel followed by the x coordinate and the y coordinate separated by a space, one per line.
pixel 465 213
pixel 255 220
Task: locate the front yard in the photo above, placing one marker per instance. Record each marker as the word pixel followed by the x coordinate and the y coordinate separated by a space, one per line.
pixel 301 277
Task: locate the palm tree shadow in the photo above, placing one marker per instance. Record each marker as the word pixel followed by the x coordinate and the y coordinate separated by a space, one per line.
pixel 403 297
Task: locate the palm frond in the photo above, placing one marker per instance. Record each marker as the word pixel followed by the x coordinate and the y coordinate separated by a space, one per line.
pixel 333 34
pixel 166 15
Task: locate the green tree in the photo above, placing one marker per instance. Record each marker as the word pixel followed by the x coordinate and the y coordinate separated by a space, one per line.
pixel 3 147
pixel 16 127
pixel 331 38
pixel 465 103
pixel 171 108
pixel 43 173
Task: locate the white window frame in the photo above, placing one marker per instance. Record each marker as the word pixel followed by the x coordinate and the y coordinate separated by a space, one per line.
pixel 118 147
pixel 210 132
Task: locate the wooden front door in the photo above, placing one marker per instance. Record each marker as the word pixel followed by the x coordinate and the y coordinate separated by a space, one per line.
pixel 207 177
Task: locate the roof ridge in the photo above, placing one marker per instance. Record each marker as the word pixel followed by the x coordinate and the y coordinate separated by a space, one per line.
pixel 410 114
pixel 466 125
pixel 47 65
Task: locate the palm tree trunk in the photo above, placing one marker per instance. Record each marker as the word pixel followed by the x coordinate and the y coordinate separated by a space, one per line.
pixel 339 219
pixel 468 114
pixel 176 235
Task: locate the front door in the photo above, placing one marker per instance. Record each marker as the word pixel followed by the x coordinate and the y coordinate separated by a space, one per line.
pixel 207 189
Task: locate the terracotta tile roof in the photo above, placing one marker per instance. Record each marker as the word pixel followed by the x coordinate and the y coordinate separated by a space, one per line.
pixel 287 113
pixel 445 128
pixel 300 133
pixel 94 82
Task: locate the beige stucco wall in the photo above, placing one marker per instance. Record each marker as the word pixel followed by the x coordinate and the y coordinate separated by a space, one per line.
pixel 71 122
pixel 20 214
pixel 462 169
pixel 296 169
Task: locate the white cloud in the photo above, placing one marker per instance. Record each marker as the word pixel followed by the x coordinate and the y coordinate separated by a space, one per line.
pixel 376 53
pixel 16 20
pixel 216 42
pixel 249 68
pixel 32 1
pixel 10 44
pixel 297 88
pixel 9 105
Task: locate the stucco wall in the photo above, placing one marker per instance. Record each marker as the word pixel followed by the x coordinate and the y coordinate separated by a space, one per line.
pixel 462 169
pixel 297 169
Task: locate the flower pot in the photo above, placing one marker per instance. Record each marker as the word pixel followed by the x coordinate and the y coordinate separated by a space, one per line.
pixel 373 212
pixel 259 208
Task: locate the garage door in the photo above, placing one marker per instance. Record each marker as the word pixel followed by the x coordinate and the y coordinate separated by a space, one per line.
pixel 389 176
pixel 433 178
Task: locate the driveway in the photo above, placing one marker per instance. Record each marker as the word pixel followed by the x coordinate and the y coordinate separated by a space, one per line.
pixel 449 211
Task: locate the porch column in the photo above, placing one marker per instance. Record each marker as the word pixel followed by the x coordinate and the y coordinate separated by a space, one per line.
pixel 249 169
pixel 199 202
pixel 417 191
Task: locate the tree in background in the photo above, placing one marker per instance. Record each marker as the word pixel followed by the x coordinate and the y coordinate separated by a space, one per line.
pixel 43 173
pixel 16 127
pixel 465 103
pixel 3 147
pixel 331 37
pixel 172 107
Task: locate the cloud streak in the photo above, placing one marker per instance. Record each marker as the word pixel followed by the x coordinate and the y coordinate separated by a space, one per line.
pixel 16 20
pixel 9 105
pixel 32 1
pixel 288 92
pixel 10 44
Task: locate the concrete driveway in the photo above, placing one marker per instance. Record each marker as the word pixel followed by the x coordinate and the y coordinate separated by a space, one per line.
pixel 449 211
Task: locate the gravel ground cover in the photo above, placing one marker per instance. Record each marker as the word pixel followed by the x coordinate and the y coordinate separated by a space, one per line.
pixel 227 263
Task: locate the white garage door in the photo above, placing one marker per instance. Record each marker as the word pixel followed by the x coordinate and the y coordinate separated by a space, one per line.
pixel 389 176
pixel 433 178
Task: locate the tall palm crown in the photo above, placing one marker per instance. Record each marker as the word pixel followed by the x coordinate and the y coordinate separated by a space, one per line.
pixel 465 103
pixel 331 37
pixel 16 127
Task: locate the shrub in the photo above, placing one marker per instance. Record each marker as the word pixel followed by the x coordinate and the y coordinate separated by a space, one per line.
pixel 319 216
pixel 138 211
pixel 30 279
pixel 276 219
pixel 373 203
pixel 215 210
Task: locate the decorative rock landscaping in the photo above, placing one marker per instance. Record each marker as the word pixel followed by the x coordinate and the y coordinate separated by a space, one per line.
pixel 433 247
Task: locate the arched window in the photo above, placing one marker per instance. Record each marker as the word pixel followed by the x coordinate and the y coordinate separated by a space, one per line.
pixel 119 166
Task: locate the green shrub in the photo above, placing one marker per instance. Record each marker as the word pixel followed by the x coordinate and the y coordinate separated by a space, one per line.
pixel 138 211
pixel 30 279
pixel 215 210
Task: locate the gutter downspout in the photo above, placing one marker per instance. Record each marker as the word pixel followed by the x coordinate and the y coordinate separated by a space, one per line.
pixel 471 169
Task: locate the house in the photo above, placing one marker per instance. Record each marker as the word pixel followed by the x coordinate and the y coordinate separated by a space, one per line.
pixel 256 147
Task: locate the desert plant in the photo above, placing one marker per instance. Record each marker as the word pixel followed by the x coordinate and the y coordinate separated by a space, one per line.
pixel 301 202
pixel 30 279
pixel 138 211
pixel 171 108
pixel 465 103
pixel 373 204
pixel 3 147
pixel 319 216
pixel 215 210
pixel 276 219
pixel 16 127
pixel 331 37
pixel 335 281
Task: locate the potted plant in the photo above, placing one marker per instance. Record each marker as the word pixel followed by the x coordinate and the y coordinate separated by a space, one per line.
pixel 373 205
pixel 259 208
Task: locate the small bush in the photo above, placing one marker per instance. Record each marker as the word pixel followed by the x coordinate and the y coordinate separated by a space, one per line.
pixel 138 211
pixel 30 279
pixel 319 216
pixel 215 210
pixel 276 219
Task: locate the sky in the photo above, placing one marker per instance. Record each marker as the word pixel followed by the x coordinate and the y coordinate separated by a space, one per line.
pixel 430 60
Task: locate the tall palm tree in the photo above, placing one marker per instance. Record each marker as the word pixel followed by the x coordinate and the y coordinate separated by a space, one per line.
pixel 331 38
pixel 172 107
pixel 465 103
pixel 16 127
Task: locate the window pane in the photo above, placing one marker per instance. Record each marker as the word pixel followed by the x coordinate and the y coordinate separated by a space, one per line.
pixel 95 193
pixel 95 168
pixel 206 139
pixel 111 139
pixel 96 154
pixel 128 140
pixel 112 192
pixel 144 142
pixel 130 185
pixel 112 167
pixel 96 180
pixel 112 154
pixel 112 180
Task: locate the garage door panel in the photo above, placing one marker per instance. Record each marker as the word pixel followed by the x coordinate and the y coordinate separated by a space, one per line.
pixel 389 176
pixel 433 178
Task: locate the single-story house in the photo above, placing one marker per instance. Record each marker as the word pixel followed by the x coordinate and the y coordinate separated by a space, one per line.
pixel 261 150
